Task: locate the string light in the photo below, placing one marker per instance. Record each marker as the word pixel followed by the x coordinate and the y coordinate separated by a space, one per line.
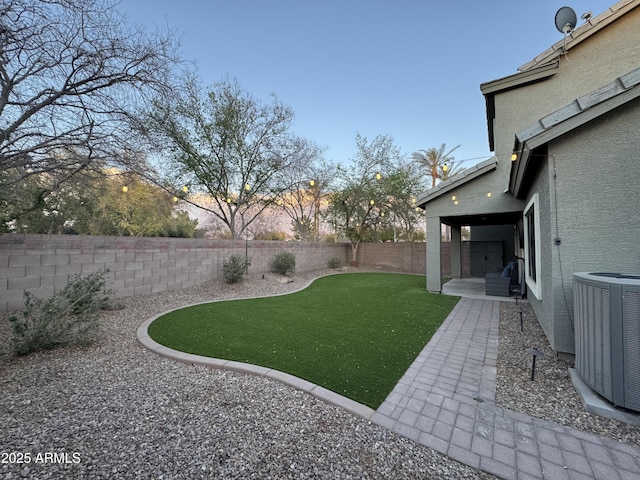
pixel 472 197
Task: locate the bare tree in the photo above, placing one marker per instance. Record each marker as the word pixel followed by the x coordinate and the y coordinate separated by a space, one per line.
pixel 357 206
pixel 225 144
pixel 71 75
pixel 310 180
pixel 401 185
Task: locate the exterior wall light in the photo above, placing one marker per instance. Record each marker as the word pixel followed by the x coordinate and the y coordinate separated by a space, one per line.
pixel 514 156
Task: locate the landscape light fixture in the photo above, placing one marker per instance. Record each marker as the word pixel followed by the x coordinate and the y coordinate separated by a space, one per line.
pixel 535 353
pixel 521 321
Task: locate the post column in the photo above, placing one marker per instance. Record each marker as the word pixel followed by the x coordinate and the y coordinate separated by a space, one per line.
pixel 434 252
pixel 456 252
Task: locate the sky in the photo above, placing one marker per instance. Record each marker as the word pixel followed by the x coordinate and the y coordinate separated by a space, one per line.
pixel 410 69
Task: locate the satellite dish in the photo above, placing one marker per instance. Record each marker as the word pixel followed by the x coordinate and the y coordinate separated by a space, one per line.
pixel 566 20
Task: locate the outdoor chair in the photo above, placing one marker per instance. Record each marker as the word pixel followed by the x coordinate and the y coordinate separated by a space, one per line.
pixel 502 284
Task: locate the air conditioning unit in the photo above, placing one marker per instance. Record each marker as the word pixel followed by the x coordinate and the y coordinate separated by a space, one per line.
pixel 607 335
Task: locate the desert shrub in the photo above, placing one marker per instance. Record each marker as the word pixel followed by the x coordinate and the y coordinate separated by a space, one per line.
pixel 234 268
pixel 67 318
pixel 87 293
pixel 283 263
pixel 335 263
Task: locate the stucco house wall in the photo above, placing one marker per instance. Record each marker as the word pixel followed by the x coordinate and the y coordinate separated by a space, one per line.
pixel 572 116
pixel 605 56
pixel 589 186
pixel 541 304
pixel 472 200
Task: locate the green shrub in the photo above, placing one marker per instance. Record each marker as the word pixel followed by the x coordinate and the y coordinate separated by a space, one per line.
pixel 234 268
pixel 283 263
pixel 335 263
pixel 67 318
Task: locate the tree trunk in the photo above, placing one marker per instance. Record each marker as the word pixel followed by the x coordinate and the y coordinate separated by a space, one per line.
pixel 354 254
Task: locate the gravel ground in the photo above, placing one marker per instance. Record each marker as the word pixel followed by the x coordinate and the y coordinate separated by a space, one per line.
pixel 117 411
pixel 551 395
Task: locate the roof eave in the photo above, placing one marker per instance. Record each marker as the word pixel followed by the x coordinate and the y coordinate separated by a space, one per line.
pixel 520 79
pixel 457 181
pixel 489 89
pixel 579 112
pixel 584 31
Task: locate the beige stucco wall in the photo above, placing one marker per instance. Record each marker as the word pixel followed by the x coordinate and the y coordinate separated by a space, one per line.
pixel 598 60
pixel 593 174
pixel 472 200
pixel 595 223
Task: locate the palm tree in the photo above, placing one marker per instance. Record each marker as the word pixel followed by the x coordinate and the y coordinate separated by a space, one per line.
pixel 437 162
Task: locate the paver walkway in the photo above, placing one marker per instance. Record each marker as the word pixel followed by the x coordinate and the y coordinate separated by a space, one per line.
pixel 446 401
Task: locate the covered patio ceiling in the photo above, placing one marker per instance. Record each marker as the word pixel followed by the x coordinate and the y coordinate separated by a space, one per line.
pixel 504 218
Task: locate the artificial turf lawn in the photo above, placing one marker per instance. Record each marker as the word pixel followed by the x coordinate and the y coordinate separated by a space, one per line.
pixel 355 334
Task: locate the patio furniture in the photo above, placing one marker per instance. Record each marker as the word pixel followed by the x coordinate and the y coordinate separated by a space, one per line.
pixel 502 284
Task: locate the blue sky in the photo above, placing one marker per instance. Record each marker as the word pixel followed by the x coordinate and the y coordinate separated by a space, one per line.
pixel 410 69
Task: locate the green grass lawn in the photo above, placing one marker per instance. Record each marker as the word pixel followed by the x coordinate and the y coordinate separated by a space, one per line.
pixel 355 334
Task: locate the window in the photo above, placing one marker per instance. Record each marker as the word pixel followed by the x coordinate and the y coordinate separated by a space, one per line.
pixel 532 246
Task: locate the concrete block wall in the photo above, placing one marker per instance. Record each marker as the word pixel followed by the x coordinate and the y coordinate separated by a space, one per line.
pixel 43 264
pixel 405 256
pixel 445 252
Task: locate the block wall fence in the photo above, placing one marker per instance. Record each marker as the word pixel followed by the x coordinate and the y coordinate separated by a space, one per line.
pixel 43 264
